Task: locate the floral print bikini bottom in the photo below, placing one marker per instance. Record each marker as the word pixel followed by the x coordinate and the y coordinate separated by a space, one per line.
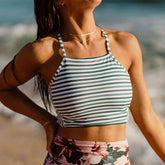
pixel 77 152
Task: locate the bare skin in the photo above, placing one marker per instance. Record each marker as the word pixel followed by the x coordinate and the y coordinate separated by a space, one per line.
pixel 44 56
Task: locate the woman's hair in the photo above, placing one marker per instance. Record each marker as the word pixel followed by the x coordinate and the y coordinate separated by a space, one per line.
pixel 48 21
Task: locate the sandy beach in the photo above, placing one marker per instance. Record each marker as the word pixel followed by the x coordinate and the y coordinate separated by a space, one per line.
pixel 21 143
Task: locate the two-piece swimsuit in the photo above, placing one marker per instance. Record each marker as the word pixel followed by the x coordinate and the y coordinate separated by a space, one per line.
pixel 90 92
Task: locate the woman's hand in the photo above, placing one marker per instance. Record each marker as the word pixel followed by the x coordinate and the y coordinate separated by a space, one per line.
pixel 51 128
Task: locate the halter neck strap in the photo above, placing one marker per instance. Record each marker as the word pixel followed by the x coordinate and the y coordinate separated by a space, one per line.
pixel 107 41
pixel 61 44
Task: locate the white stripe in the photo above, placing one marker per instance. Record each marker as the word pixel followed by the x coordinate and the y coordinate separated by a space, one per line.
pixel 93 113
pixel 100 66
pixel 111 84
pixel 115 87
pixel 82 92
pixel 88 74
pixel 82 76
pixel 97 59
pixel 80 83
pixel 88 71
pixel 93 102
pixel 91 99
pixel 70 110
pixel 91 109
pixel 95 95
pixel 97 117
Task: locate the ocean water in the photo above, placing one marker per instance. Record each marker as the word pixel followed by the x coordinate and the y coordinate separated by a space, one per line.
pixel 145 20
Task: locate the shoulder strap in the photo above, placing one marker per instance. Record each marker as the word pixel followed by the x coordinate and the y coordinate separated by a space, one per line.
pixel 61 44
pixel 107 41
pixel 63 49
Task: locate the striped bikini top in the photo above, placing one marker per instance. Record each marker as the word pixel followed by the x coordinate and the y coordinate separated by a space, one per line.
pixel 91 91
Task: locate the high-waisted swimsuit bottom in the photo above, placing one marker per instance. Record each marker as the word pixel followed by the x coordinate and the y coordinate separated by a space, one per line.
pixel 78 152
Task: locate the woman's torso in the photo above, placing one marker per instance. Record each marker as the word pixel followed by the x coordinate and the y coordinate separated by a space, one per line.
pixel 112 132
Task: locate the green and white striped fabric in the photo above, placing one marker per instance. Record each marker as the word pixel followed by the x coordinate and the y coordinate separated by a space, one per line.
pixel 91 91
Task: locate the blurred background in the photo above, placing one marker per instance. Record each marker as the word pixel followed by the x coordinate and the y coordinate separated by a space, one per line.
pixel 22 141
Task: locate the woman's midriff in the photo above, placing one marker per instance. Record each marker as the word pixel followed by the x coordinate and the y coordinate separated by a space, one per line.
pixel 110 133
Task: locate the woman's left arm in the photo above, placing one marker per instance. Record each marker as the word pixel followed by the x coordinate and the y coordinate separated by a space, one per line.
pixel 141 108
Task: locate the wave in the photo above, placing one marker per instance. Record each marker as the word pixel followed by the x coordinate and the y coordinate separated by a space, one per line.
pixel 13 37
pixel 17 30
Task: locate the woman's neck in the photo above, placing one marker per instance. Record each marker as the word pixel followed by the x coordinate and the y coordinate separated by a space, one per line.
pixel 79 23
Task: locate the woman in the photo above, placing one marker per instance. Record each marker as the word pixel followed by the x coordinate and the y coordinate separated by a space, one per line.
pixel 93 76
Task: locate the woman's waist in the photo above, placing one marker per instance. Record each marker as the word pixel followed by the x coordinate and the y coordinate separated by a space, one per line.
pixel 109 133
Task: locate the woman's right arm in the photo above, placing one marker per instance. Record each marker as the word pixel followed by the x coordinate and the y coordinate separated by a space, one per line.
pixel 26 65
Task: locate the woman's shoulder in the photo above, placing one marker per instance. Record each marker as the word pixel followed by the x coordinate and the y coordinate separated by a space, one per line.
pixel 121 37
pixel 124 40
pixel 45 48
pixel 39 50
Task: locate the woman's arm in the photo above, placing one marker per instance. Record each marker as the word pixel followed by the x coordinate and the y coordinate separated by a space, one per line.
pixel 26 65
pixel 141 107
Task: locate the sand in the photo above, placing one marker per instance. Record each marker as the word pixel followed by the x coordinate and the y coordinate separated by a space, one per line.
pixel 21 143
